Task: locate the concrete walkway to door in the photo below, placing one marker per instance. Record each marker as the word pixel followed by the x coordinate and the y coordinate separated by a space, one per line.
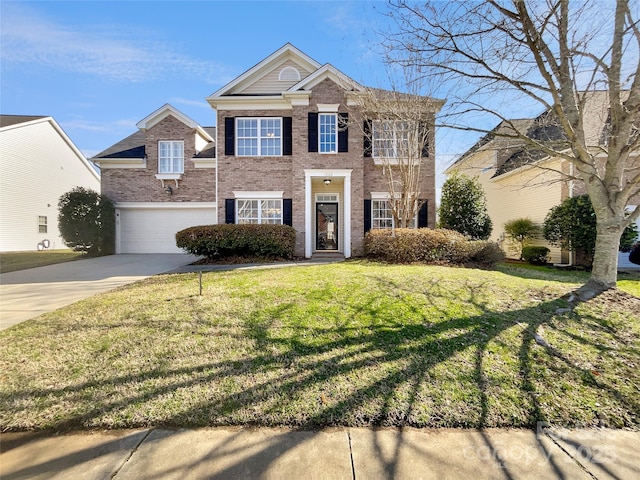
pixel 28 293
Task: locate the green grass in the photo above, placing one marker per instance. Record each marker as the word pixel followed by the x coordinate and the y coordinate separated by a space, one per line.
pixel 349 344
pixel 12 261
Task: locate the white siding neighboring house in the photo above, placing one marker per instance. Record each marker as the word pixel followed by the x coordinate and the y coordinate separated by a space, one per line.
pixel 38 163
pixel 521 182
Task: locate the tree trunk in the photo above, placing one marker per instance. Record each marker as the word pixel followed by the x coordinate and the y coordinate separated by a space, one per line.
pixel 604 273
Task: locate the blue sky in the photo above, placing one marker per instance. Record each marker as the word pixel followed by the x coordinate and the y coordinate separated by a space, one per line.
pixel 100 67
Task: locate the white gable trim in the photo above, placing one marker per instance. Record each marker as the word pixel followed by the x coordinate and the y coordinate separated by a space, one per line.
pixel 166 110
pixel 277 57
pixel 86 163
pixel 324 72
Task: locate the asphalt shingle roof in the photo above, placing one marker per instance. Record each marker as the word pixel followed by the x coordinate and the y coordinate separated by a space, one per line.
pixel 7 120
pixel 134 147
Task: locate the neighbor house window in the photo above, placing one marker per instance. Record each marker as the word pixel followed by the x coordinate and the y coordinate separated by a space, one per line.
pixel 381 216
pixel 259 137
pixel 327 128
pixel 390 139
pixel 170 157
pixel 259 211
pixel 42 224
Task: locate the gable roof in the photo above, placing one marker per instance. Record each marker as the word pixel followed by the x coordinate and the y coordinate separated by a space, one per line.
pixel 133 146
pixel 169 110
pixel 284 53
pixel 322 73
pixel 513 153
pixel 9 120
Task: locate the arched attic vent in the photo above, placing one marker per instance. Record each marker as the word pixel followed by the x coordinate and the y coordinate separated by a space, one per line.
pixel 289 74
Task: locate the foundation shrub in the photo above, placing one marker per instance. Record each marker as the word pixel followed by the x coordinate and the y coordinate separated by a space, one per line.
pixel 535 255
pixel 230 240
pixel 429 246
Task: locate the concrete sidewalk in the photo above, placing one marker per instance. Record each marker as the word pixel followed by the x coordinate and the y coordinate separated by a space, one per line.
pixel 25 294
pixel 350 453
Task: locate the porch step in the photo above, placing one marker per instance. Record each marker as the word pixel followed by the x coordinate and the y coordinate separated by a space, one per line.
pixel 328 256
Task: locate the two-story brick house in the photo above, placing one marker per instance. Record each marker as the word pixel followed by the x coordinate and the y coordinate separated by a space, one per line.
pixel 289 148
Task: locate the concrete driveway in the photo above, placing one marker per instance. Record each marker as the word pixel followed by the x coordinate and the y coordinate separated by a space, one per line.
pixel 28 293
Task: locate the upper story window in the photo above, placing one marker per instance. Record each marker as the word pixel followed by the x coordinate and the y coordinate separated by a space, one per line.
pixel 390 139
pixel 327 129
pixel 171 156
pixel 259 137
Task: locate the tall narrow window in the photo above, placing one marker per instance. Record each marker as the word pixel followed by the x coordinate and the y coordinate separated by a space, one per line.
pixel 259 137
pixel 42 224
pixel 327 128
pixel 171 157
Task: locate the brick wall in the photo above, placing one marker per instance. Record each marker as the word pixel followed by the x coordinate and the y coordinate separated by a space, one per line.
pixel 286 173
pixel 141 185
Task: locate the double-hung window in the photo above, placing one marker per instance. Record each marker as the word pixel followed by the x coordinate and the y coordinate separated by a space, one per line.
pixel 259 211
pixel 42 224
pixel 327 129
pixel 382 217
pixel 390 139
pixel 171 157
pixel 259 137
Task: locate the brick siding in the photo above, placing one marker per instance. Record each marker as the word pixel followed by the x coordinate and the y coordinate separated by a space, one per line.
pixel 141 185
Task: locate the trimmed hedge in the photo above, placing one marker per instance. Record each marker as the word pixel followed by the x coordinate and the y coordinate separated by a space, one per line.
pixel 406 245
pixel 227 240
pixel 535 255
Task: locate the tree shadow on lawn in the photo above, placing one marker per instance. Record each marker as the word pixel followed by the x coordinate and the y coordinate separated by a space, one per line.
pixel 380 374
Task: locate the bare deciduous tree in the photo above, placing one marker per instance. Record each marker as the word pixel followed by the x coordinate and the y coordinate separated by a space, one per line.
pixel 398 131
pixel 554 54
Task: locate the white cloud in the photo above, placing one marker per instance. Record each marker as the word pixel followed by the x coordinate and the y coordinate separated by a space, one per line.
pixel 105 51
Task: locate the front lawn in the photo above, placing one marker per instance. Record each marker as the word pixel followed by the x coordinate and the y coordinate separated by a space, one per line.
pixel 351 344
pixel 12 261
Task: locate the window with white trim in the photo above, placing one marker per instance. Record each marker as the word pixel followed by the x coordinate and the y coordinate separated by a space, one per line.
pixel 390 138
pixel 259 211
pixel 382 217
pixel 171 156
pixel 327 130
pixel 259 137
pixel 42 224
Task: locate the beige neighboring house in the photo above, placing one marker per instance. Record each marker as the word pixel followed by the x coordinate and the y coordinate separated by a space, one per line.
pixel 38 163
pixel 286 150
pixel 523 183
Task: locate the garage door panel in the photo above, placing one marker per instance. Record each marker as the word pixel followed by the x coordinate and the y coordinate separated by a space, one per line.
pixel 154 230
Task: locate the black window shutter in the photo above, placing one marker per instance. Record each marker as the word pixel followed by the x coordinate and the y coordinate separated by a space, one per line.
pixel 425 148
pixel 313 131
pixel 423 214
pixel 229 136
pixel 287 136
pixel 229 210
pixel 287 211
pixel 343 132
pixel 367 138
pixel 367 215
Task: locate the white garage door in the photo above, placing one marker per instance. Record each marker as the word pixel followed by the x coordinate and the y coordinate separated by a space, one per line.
pixel 153 230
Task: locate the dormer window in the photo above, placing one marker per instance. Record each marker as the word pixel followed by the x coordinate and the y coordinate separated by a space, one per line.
pixel 289 74
pixel 171 157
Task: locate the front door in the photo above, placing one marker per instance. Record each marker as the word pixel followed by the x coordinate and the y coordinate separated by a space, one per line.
pixel 326 226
